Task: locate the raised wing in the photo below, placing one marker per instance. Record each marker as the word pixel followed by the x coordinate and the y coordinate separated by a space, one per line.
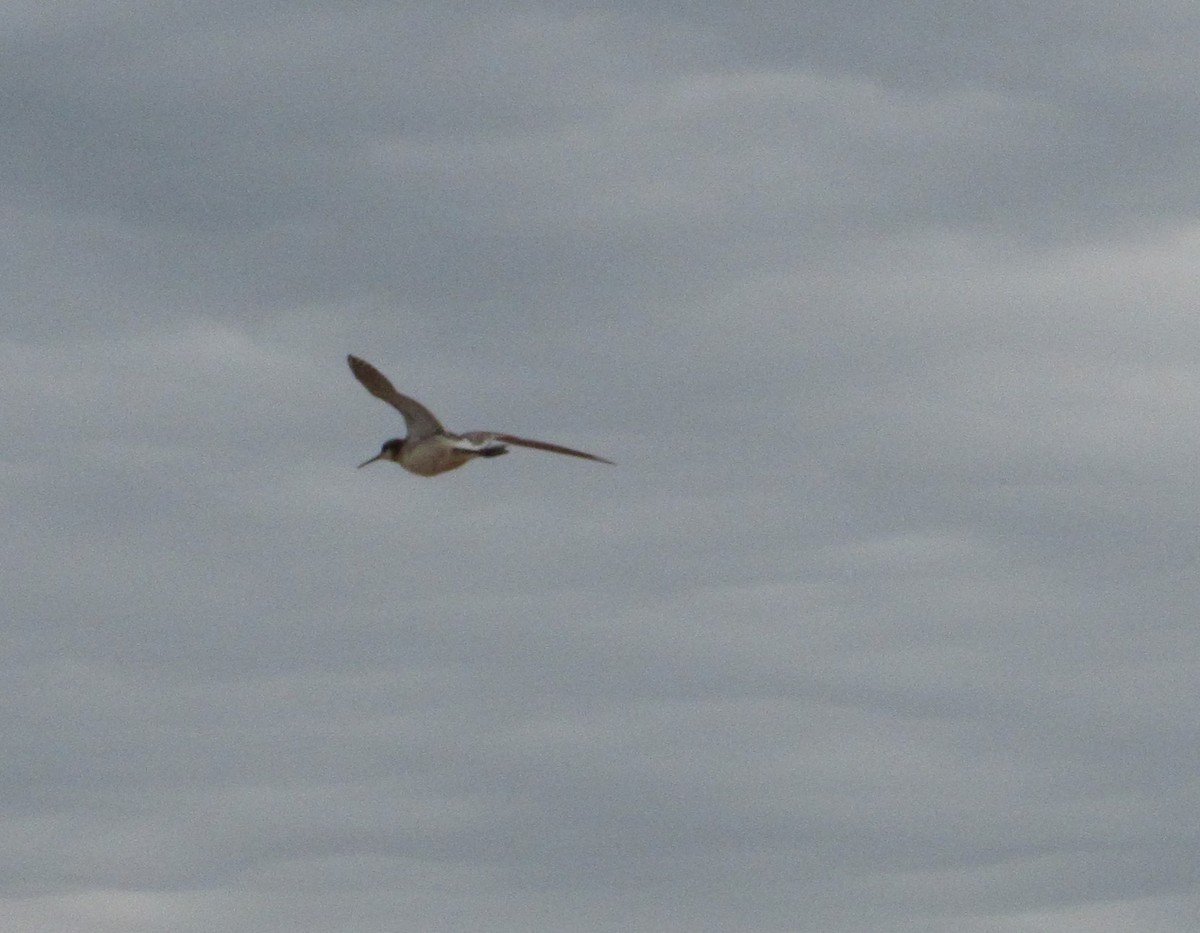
pixel 419 419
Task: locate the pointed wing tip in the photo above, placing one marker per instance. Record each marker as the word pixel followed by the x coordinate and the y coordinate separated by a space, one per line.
pixel 586 456
pixel 365 373
pixel 372 380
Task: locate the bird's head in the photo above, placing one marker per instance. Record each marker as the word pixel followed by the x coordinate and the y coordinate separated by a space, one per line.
pixel 389 451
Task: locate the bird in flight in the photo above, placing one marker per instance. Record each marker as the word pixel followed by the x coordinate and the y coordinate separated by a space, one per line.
pixel 429 449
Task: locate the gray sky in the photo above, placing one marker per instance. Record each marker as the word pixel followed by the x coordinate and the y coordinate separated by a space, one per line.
pixel 886 621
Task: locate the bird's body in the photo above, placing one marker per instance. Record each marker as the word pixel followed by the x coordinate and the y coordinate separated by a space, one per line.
pixel 433 455
pixel 429 449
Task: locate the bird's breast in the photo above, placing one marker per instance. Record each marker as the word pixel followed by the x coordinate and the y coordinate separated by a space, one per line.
pixel 432 456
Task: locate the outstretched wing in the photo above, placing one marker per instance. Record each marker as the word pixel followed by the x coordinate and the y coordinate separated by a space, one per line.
pixel 553 448
pixel 419 419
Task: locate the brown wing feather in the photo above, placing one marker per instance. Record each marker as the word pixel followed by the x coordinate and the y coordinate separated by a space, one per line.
pixel 419 419
pixel 553 448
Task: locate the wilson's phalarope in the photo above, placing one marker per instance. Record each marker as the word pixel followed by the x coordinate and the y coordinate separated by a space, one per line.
pixel 429 449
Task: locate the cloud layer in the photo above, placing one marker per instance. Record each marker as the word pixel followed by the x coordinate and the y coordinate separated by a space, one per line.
pixel 886 620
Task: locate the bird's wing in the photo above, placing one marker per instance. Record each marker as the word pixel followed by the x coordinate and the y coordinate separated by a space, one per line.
pixel 419 419
pixel 553 448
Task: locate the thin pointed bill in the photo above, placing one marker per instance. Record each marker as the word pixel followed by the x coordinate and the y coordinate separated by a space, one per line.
pixel 369 462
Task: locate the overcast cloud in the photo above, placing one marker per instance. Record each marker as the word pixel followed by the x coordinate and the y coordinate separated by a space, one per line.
pixel 885 622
